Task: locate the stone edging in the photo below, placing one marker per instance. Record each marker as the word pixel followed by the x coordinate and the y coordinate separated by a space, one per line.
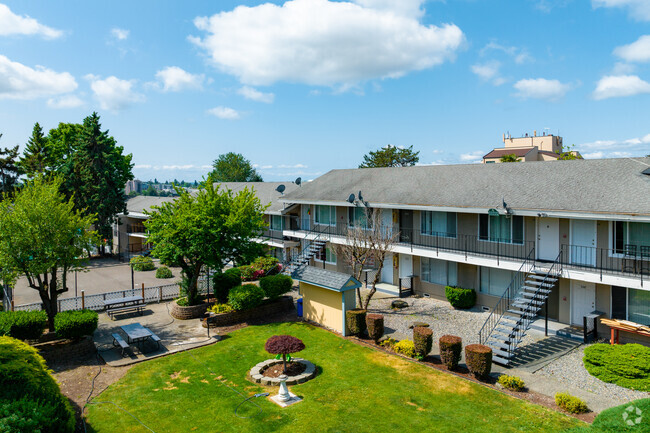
pixel 256 376
pixel 186 313
pixel 283 304
pixel 66 350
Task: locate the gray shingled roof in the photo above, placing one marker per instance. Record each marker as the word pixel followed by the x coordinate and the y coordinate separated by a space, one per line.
pixel 140 203
pixel 604 186
pixel 325 278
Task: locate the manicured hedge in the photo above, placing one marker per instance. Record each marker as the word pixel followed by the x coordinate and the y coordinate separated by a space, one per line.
pixel 355 320
pixel 375 326
pixel 75 324
pixel 626 365
pixel 275 286
pixel 23 325
pixel 142 263
pixel 570 403
pixel 460 298
pixel 512 383
pixel 623 418
pixel 164 272
pixel 450 350
pixel 29 395
pixel 225 282
pixel 423 340
pixel 245 297
pixel 478 358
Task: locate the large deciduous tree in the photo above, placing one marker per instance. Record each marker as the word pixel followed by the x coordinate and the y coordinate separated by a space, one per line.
pixel 208 228
pixel 391 156
pixel 43 238
pixel 233 167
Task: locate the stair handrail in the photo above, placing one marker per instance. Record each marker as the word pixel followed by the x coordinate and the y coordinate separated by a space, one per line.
pixel 319 233
pixel 500 309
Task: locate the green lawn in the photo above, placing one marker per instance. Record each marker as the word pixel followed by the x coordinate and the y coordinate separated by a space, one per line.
pixel 358 389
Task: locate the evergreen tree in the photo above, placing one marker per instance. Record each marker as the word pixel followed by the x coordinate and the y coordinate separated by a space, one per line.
pixel 391 156
pixel 37 158
pixel 9 170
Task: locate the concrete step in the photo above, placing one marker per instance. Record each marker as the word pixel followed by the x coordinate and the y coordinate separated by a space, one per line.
pixel 542 277
pixel 522 313
pixel 501 353
pixel 504 338
pixel 535 289
pixel 501 361
pixel 499 345
pixel 536 283
pixel 515 319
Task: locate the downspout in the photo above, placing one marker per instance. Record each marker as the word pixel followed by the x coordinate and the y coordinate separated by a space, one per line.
pixel 345 334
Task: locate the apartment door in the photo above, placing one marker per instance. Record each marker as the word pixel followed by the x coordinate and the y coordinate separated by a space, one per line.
pixel 548 238
pixel 387 270
pixel 304 223
pixel 583 300
pixel 405 225
pixel 583 242
pixel 387 220
pixel 405 265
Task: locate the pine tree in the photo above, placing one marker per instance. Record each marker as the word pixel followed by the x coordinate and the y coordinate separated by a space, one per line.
pixel 37 158
pixel 9 170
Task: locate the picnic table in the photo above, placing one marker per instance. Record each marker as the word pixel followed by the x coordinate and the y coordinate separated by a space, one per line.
pixel 135 334
pixel 626 326
pixel 128 303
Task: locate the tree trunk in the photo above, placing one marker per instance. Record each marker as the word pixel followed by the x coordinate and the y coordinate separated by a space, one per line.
pixel 284 363
pixel 192 286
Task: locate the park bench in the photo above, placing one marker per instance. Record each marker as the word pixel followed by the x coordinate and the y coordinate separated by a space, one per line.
pixel 119 341
pixel 121 305
pixel 154 338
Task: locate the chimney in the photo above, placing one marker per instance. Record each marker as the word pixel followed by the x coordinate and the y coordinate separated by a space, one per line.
pixel 534 133
pixel 504 138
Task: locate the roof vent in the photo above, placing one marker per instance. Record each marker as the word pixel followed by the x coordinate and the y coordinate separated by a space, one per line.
pixel 646 172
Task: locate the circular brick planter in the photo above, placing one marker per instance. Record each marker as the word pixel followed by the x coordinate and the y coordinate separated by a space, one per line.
pixel 186 313
pixel 256 375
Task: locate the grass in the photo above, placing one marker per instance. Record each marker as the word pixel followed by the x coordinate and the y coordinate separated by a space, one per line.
pixel 612 421
pixel 626 365
pixel 358 389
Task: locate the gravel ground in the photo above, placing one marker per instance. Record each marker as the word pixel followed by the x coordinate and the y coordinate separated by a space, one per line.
pixel 570 370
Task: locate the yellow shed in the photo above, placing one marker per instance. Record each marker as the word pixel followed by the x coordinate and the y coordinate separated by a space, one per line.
pixel 326 296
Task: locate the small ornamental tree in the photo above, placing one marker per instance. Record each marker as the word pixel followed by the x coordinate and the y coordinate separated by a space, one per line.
pixel 283 345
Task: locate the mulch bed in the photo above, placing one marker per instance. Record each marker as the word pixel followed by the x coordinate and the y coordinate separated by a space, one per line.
pixel 293 369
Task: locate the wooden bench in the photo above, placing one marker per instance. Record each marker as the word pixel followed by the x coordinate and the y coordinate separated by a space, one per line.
pixel 154 338
pixel 111 312
pixel 119 341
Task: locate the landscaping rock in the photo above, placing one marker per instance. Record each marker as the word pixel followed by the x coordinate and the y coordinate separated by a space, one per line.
pixel 398 303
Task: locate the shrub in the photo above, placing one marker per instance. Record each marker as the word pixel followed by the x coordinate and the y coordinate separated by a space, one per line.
pixel 405 347
pixel 164 272
pixel 610 420
pixel 422 340
pixel 268 265
pixel 570 403
pixel 626 365
pixel 224 282
pixel 388 343
pixel 142 263
pixel 478 358
pixel 29 395
pixel 355 320
pixel 275 286
pixel 375 326
pixel 511 382
pixel 75 324
pixel 284 345
pixel 245 297
pixel 220 308
pixel 450 350
pixel 460 298
pixel 246 272
pixel 23 325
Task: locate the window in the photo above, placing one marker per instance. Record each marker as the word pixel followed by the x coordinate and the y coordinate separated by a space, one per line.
pixel 499 228
pixel 619 303
pixel 438 271
pixel 276 222
pixel 325 215
pixel 625 232
pixel 638 307
pixel 495 281
pixel 326 254
pixel 438 223
pixel 357 216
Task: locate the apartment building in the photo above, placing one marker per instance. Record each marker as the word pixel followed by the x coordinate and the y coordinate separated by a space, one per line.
pixel 546 147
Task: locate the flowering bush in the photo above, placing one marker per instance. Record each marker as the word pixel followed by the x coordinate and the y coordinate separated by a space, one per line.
pixel 405 347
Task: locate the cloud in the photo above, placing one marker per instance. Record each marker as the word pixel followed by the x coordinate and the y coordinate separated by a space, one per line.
pixel 638 9
pixel 142 166
pixel 320 42
pixel 489 71
pixel 472 157
pixel 593 155
pixel 638 51
pixel 113 93
pixel 18 81
pixel 67 101
pixel 255 95
pixel 175 79
pixel 616 86
pixel 407 8
pixel 12 24
pixel 225 113
pixel 292 166
pixel 120 34
pixel 519 55
pixel 541 88
pixel 622 148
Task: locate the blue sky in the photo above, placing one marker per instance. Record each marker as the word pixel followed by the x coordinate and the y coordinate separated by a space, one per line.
pixel 305 86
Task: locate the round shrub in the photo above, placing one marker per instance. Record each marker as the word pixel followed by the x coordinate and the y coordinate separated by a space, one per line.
pixel 375 325
pixel 245 297
pixel 460 298
pixel 224 282
pixel 75 324
pixel 626 365
pixel 512 383
pixel 610 419
pixel 268 265
pixel 570 403
pixel 246 272
pixel 355 320
pixel 423 340
pixel 164 272
pixel 23 325
pixel 142 263
pixel 450 350
pixel 25 378
pixel 275 286
pixel 478 358
pixel 405 347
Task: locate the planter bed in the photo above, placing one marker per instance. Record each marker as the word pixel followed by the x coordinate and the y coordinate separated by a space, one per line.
pixel 191 312
pixel 282 305
pixel 66 350
pixel 257 376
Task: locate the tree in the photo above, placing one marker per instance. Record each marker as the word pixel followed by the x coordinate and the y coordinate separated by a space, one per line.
pixel 233 167
pixel 208 228
pixel 284 345
pixel 37 158
pixel 9 171
pixel 391 156
pixel 43 238
pixel 567 153
pixel 511 157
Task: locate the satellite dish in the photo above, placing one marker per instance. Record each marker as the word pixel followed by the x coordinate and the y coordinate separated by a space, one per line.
pixel 280 189
pixel 298 181
pixel 351 198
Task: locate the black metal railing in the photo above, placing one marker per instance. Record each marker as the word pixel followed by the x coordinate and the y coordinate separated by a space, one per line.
pixel 136 228
pixel 606 261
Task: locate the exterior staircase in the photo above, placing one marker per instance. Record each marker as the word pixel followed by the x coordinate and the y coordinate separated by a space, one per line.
pixel 302 259
pixel 517 309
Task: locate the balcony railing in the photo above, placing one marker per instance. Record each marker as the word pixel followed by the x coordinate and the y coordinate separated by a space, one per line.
pixel 272 234
pixel 136 228
pixel 608 261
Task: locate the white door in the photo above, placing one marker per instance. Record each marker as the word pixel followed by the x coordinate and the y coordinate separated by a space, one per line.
pixel 387 220
pixel 405 265
pixel 583 300
pixel 583 242
pixel 548 238
pixel 304 223
pixel 387 270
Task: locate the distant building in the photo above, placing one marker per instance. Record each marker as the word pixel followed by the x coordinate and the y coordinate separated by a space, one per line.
pixel 134 185
pixel 535 148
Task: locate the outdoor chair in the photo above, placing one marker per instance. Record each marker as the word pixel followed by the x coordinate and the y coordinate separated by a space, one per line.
pixel 629 258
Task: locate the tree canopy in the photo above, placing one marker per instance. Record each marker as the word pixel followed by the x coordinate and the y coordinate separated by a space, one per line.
pixel 568 153
pixel 391 156
pixel 511 157
pixel 233 167
pixel 208 228
pixel 37 157
pixel 9 171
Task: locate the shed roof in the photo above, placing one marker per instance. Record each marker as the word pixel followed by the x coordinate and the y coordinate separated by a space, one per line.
pixel 327 279
pixel 519 152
